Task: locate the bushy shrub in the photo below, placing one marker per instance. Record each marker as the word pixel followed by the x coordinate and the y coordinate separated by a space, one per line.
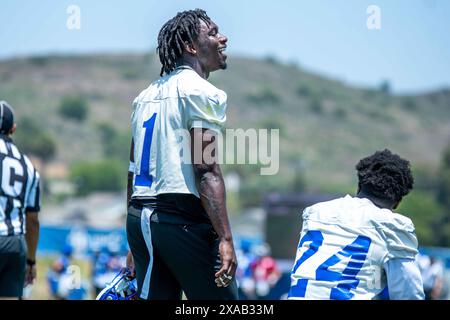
pixel 410 103
pixel 32 139
pixel 265 96
pixel 304 91
pixel 115 144
pixel 340 113
pixel 104 175
pixel 74 108
pixel 316 106
pixel 385 87
pixel 425 213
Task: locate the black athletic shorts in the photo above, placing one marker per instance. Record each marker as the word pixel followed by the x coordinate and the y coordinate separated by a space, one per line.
pixel 13 257
pixel 171 258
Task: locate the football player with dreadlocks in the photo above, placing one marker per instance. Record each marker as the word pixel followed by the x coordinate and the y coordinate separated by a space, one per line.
pixel 356 247
pixel 177 224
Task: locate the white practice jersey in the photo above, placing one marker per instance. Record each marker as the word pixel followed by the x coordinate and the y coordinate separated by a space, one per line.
pixel 162 116
pixel 343 247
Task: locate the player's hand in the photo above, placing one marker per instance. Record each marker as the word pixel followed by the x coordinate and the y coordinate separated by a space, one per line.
pixel 130 265
pixel 229 264
pixel 30 274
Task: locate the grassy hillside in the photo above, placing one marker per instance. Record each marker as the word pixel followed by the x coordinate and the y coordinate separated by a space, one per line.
pixel 326 126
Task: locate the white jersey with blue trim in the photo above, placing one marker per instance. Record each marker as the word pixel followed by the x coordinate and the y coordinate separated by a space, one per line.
pixel 344 246
pixel 162 116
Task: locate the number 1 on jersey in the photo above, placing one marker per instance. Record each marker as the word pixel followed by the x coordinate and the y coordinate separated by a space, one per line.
pixel 144 178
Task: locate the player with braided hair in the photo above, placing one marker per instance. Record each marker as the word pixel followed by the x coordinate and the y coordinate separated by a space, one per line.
pixel 177 224
pixel 356 247
pixel 184 27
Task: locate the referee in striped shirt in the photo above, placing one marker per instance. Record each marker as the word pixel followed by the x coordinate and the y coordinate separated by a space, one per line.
pixel 19 207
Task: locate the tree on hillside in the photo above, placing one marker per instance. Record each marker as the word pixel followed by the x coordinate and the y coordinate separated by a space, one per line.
pixel 425 213
pixel 443 196
pixel 316 105
pixel 303 90
pixel 105 175
pixel 265 95
pixel 385 87
pixel 74 108
pixel 115 144
pixel 444 183
pixel 34 139
pixel 428 205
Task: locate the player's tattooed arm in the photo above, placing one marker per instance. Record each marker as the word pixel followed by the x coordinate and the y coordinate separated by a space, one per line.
pixel 130 260
pixel 211 189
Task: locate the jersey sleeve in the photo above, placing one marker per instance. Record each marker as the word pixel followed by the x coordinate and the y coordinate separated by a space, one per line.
pixel 400 237
pixel 205 109
pixel 307 212
pixel 404 280
pixel 33 202
pixel 134 166
pixel 134 106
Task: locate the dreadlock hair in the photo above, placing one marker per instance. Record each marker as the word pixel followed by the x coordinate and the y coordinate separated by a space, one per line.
pixel 385 175
pixel 184 27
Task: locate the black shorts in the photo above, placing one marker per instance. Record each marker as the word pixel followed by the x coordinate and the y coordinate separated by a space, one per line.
pixel 171 258
pixel 13 257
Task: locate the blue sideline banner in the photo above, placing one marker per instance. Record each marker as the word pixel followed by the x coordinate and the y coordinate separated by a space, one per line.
pixel 82 240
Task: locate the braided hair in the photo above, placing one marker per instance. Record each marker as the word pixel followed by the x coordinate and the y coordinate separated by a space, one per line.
pixel 184 27
pixel 385 175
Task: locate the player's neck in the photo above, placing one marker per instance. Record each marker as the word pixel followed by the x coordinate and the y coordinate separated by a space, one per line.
pixel 6 135
pixel 380 203
pixel 195 65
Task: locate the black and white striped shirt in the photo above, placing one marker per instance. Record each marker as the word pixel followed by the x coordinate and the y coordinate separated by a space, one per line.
pixel 19 188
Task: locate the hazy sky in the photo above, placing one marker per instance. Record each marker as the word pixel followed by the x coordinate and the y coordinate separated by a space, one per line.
pixel 330 37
